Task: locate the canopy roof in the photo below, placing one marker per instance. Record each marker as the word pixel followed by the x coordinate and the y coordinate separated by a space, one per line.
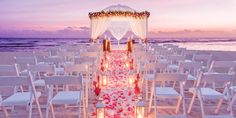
pixel 119 10
pixel 119 7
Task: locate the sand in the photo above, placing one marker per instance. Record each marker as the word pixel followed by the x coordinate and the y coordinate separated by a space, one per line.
pixel 8 58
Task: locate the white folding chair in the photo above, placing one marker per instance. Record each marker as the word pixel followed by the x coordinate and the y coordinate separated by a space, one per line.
pixel 82 70
pixel 56 60
pixel 174 59
pixel 151 69
pixel 202 92
pixel 205 59
pixel 222 66
pixel 66 96
pixel 192 69
pixel 167 92
pixel 22 63
pixel 39 71
pixel 9 70
pixel 20 98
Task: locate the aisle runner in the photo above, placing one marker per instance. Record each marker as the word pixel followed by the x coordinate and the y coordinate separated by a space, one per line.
pixel 118 96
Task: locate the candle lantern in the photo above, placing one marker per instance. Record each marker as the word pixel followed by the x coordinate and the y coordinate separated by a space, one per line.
pixel 104 80
pixel 139 109
pixel 131 77
pixel 100 109
pixel 131 80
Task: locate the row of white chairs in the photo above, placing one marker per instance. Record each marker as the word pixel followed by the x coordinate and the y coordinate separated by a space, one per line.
pixel 200 70
pixel 65 97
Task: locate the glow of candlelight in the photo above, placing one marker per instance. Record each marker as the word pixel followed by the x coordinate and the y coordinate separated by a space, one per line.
pixel 104 81
pixel 106 65
pixel 127 64
pixel 101 114
pixel 130 80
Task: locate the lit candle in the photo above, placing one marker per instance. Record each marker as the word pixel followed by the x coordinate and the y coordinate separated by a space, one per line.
pixel 127 64
pixel 107 65
pixel 131 81
pixel 104 83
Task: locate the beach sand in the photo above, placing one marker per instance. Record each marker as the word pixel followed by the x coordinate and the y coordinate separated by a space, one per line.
pixel 8 58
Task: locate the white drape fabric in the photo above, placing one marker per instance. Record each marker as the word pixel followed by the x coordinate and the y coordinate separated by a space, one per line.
pixel 138 27
pixel 98 27
pixel 119 26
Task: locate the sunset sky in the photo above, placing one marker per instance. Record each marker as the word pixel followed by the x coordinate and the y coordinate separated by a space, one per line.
pixel 69 18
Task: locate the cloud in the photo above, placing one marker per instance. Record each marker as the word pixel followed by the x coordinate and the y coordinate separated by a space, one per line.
pixel 68 32
pixel 84 32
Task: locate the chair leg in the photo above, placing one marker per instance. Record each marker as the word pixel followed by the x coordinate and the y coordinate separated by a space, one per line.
pixel 155 105
pixel 39 108
pixel 146 90
pixel 5 112
pixel 184 107
pixel 151 97
pixel 47 110
pixel 191 103
pixel 30 109
pixel 232 102
pixel 53 113
pixel 218 106
pixel 201 104
pixel 178 105
pixel 79 112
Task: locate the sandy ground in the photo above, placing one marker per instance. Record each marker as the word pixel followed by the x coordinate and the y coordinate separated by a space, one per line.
pixel 7 58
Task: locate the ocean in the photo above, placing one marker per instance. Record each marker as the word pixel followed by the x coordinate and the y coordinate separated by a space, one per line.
pixel 29 44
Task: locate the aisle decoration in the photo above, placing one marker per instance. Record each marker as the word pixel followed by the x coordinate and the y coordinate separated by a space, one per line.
pixel 139 109
pixel 119 97
pixel 100 109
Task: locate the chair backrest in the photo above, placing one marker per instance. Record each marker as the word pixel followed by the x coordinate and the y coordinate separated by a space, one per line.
pixel 14 81
pixel 46 68
pixel 78 68
pixel 54 60
pixel 161 67
pixel 190 66
pixel 216 77
pixel 9 70
pixel 63 80
pixel 85 60
pixel 205 58
pixel 221 66
pixel 175 58
pixel 24 61
pixel 88 54
pixel 163 77
pixel 202 57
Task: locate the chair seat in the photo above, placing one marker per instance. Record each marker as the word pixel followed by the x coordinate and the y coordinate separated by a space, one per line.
pixel 166 92
pixel 39 82
pixel 66 97
pixel 0 100
pixel 191 77
pixel 171 116
pixel 173 67
pixel 211 93
pixel 233 88
pixel 19 98
pixel 218 116
pixel 24 73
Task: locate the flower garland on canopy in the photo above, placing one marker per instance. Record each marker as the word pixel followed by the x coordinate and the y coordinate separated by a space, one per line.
pixel 137 15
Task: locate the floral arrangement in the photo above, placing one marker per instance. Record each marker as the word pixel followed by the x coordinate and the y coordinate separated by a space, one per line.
pixel 137 15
